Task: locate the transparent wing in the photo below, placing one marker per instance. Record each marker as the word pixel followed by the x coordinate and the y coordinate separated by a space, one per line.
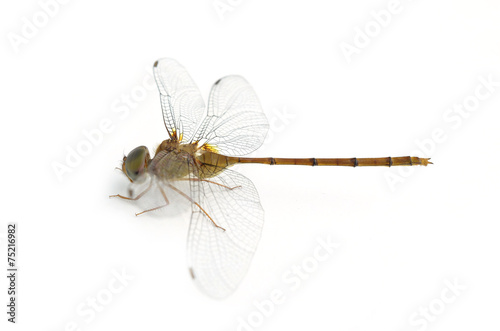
pixel 235 123
pixel 181 100
pixel 218 260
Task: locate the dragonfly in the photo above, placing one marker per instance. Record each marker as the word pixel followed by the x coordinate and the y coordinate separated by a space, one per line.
pixel 194 163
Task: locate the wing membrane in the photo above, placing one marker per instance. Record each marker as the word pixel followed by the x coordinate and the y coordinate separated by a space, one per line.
pixel 181 100
pixel 235 123
pixel 218 259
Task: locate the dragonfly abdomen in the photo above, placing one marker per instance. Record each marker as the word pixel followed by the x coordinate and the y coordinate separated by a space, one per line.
pixel 339 162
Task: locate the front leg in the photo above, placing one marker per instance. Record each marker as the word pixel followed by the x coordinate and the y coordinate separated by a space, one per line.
pixel 137 197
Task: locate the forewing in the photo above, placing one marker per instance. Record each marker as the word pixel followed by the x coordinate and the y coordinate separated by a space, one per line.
pixel 235 123
pixel 218 260
pixel 181 100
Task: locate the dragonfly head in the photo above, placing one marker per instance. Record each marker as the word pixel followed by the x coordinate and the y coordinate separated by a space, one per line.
pixel 136 162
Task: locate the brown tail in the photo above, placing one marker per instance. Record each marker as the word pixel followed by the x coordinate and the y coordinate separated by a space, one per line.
pixel 346 162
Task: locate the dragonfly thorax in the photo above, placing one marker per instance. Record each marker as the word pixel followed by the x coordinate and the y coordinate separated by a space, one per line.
pixel 171 165
pixel 173 160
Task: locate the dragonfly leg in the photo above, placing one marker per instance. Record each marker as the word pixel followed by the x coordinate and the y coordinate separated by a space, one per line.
pixel 137 197
pixel 155 208
pixel 209 181
pixel 197 204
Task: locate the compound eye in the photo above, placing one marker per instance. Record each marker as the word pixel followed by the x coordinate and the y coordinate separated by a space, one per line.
pixel 136 162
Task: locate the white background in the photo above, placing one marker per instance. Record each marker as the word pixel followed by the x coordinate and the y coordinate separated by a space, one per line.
pixel 400 245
